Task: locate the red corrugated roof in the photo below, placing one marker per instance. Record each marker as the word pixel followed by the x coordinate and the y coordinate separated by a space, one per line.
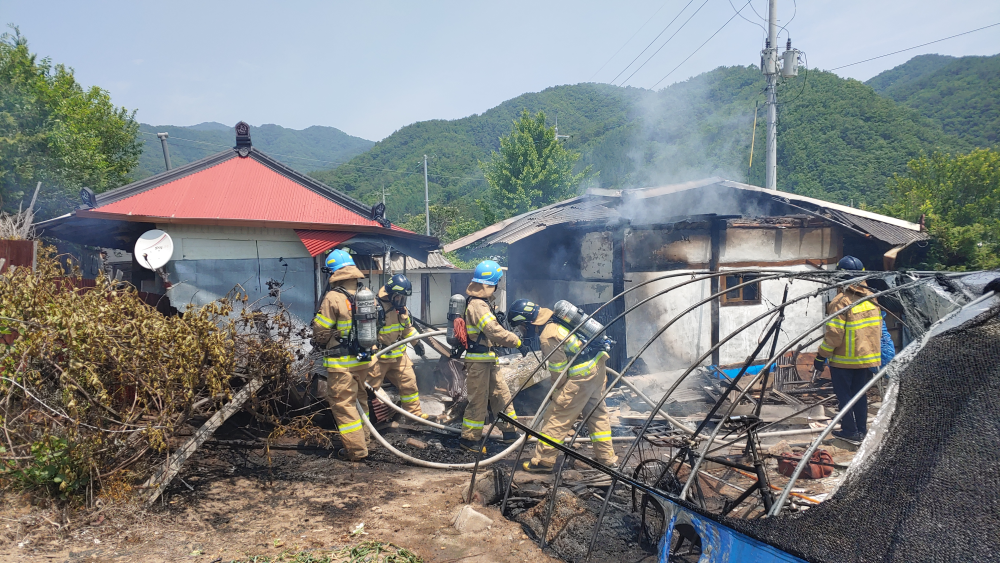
pixel 318 242
pixel 237 189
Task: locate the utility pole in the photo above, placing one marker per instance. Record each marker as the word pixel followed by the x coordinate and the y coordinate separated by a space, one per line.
pixel 770 64
pixel 166 151
pixel 427 199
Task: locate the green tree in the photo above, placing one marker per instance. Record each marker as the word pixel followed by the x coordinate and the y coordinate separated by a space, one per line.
pixel 447 223
pixel 959 196
pixel 54 131
pixel 531 169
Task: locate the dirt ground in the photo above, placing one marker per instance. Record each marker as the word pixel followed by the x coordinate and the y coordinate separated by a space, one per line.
pixel 239 508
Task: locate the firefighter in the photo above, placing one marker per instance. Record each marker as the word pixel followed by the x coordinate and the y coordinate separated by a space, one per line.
pixel 580 392
pixel 852 344
pixel 395 365
pixel 346 366
pixel 486 387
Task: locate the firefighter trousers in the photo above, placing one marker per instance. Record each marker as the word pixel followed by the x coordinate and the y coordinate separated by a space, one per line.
pixel 577 396
pixel 399 372
pixel 344 390
pixel 486 389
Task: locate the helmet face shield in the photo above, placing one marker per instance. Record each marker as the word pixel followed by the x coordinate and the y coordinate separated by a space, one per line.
pixel 398 300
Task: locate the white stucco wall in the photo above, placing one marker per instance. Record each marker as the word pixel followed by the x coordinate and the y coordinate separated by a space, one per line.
pixel 207 242
pixel 690 336
pixel 440 289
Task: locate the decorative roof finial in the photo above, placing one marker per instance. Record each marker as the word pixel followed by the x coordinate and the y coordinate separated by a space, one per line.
pixel 243 144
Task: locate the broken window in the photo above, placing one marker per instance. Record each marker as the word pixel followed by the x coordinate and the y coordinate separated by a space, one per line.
pixel 747 295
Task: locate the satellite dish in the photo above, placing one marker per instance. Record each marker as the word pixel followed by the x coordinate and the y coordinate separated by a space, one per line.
pixel 153 249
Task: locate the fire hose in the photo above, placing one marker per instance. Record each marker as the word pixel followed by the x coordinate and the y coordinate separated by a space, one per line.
pixel 415 461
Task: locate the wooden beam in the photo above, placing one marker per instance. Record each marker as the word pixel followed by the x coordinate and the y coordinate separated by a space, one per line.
pixel 158 481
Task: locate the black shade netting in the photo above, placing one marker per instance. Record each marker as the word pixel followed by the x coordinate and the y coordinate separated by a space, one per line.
pixel 932 490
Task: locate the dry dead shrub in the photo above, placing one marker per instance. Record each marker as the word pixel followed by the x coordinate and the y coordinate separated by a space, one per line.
pixel 93 380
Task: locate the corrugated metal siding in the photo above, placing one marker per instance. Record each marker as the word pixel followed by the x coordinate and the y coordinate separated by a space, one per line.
pixel 435 261
pixel 238 188
pixel 580 211
pixel 318 242
pixel 882 231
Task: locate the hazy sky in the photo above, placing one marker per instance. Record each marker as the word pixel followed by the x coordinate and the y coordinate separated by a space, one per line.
pixel 370 68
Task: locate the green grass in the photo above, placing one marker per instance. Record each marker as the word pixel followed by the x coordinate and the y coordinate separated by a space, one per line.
pixel 370 551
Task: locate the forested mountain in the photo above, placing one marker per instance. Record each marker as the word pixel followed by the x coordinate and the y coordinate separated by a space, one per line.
pixel 961 94
pixel 838 140
pixel 313 148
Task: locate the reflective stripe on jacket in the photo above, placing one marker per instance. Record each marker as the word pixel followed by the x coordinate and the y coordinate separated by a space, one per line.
pixel 551 336
pixel 480 320
pixel 397 327
pixel 853 338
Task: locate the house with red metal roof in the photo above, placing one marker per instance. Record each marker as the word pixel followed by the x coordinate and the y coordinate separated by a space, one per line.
pixel 237 217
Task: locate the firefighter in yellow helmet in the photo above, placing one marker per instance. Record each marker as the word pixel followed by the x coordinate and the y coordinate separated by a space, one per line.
pixel 580 391
pixel 346 368
pixel 482 377
pixel 395 365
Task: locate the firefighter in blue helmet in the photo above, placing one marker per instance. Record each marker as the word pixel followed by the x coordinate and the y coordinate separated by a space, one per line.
pixel 852 344
pixel 396 325
pixel 486 387
pixel 345 372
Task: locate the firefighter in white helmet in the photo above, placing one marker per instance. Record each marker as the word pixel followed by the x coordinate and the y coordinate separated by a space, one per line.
pixel 346 366
pixel 580 391
pixel 395 365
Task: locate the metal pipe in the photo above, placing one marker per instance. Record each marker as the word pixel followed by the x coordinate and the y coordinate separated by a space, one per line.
pixel 166 151
pixel 772 360
pixel 705 355
pixel 650 402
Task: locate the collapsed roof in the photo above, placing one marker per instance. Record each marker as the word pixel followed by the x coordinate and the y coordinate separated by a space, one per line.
pixel 675 202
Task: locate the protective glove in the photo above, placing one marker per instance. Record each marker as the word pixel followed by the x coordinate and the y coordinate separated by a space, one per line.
pixel 524 349
pixel 819 364
pixel 418 347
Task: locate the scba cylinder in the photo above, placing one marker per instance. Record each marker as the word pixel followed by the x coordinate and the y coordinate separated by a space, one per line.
pixel 456 310
pixel 366 318
pixel 571 316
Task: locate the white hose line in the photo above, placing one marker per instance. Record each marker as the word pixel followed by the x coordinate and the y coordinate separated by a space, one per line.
pixel 418 336
pixel 382 396
pixel 431 464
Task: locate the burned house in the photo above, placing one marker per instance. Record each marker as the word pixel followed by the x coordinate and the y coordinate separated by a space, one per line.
pixel 592 247
pixel 236 217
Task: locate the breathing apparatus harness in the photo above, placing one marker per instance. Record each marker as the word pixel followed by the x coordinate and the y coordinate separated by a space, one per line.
pixel 569 316
pixel 363 335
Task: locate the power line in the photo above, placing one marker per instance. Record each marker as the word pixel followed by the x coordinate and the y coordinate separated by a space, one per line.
pixel 629 40
pixel 746 18
pixel 917 46
pixel 665 42
pixel 664 30
pixel 703 44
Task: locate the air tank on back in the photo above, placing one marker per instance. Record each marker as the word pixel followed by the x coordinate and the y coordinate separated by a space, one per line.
pixel 456 310
pixel 366 318
pixel 571 316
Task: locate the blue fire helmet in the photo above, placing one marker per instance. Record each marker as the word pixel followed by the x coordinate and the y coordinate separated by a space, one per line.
pixel 850 263
pixel 487 272
pixel 338 259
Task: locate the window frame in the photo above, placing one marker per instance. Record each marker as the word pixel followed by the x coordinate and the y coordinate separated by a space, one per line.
pixel 726 300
